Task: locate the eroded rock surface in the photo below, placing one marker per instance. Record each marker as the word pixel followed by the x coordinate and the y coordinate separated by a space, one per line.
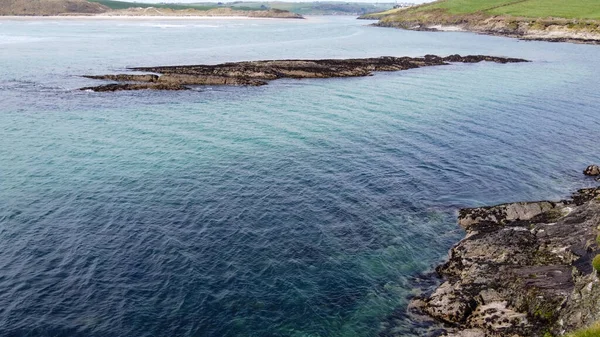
pixel 256 73
pixel 524 269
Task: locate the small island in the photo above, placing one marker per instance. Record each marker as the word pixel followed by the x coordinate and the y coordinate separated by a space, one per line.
pixel 547 20
pixel 257 73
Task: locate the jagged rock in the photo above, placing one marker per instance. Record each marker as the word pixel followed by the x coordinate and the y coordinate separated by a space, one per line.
pixel 585 195
pixel 592 170
pixel 504 213
pixel 255 73
pixel 523 269
pixel 495 316
pixel 135 86
pixel 449 304
pixel 124 78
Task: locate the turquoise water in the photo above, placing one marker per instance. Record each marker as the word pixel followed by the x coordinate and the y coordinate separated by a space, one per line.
pixel 302 208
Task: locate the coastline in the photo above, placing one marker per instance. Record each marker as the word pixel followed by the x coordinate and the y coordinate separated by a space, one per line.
pixel 132 17
pixel 535 35
pixel 522 269
pixel 150 12
pixel 549 29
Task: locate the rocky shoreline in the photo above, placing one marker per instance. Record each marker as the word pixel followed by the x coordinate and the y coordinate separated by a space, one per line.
pixel 257 73
pixel 558 34
pixel 523 269
pixel 528 29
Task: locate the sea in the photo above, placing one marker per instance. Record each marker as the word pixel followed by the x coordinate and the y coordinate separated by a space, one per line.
pixel 303 208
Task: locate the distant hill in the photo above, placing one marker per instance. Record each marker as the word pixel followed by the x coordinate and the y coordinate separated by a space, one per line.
pixel 113 4
pixel 49 7
pixel 552 20
pixel 303 8
pixel 318 7
pixel 118 8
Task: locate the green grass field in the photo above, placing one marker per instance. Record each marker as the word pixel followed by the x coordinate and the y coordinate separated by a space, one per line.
pixel 574 9
pixel 569 9
pixel 465 6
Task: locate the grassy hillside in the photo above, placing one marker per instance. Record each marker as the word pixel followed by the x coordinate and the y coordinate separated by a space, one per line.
pixel 551 20
pixel 574 9
pixel 568 9
pixel 49 7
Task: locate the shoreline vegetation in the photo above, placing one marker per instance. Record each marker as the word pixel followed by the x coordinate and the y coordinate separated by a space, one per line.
pixel 523 269
pixel 549 20
pixel 257 73
pixel 99 9
pixel 256 8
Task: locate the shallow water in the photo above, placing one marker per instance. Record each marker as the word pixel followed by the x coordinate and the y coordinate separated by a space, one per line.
pixel 302 208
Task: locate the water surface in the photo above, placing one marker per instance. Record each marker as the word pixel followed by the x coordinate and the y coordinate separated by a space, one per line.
pixel 301 208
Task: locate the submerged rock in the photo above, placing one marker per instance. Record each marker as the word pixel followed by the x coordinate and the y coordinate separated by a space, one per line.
pixel 524 269
pixel 255 73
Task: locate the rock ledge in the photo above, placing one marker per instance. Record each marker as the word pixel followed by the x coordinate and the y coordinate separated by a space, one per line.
pixel 523 269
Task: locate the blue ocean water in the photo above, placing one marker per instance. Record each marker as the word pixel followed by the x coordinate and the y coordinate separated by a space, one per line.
pixel 301 208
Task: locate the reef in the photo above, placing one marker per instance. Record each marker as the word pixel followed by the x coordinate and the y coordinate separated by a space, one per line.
pixel 523 269
pixel 257 73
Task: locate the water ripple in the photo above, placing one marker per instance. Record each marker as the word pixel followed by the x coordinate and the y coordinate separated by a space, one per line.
pixel 302 208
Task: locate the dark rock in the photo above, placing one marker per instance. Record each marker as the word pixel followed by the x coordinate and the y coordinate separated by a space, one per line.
pixel 135 86
pixel 124 78
pixel 255 73
pixel 481 58
pixel 585 194
pixel 592 170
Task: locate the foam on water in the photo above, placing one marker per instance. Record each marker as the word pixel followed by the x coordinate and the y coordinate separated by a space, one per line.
pixel 8 39
pixel 300 208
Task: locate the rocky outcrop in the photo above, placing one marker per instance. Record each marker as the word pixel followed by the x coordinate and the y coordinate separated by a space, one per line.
pixel 523 269
pixel 256 73
pixel 592 170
